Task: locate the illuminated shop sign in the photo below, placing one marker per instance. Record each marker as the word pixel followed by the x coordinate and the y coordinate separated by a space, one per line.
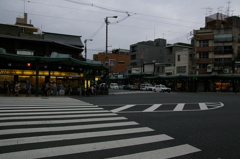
pixel 25 52
pixel 41 73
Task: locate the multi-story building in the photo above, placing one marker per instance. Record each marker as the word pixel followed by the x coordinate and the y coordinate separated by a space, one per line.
pixel 184 61
pixel 217 45
pixel 178 59
pixel 117 61
pixel 40 58
pixel 146 52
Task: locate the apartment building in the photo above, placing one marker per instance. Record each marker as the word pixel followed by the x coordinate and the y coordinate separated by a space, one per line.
pixel 117 61
pixel 178 59
pixel 217 45
pixel 146 52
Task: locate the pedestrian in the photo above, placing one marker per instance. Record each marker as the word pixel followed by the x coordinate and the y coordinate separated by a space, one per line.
pixel 69 87
pixel 83 90
pixel 17 88
pixel 58 89
pixel 5 87
pixel 43 88
pixel 80 90
pixel 28 88
pixel 47 89
pixel 54 88
pixel 92 90
pixel 10 88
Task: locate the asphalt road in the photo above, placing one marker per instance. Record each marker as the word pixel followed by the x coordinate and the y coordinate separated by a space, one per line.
pixel 123 125
pixel 215 130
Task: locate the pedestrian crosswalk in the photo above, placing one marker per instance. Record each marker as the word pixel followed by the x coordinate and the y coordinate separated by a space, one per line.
pixel 163 107
pixel 69 128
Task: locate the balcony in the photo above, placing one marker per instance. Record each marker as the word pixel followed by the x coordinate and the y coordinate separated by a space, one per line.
pixel 209 60
pixel 219 63
pixel 204 49
pixel 223 52
pixel 202 71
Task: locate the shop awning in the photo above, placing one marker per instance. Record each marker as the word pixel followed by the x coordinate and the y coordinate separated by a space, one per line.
pixel 47 60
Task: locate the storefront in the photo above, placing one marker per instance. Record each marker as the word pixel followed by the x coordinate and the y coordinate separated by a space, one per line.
pixel 39 70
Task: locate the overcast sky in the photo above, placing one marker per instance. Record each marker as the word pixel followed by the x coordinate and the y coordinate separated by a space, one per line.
pixel 138 20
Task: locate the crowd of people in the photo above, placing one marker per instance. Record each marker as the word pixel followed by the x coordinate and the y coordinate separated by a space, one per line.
pixel 56 89
pixel 53 89
pixel 10 88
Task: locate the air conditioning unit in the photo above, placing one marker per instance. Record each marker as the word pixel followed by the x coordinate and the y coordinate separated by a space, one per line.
pixel 209 68
pixel 226 70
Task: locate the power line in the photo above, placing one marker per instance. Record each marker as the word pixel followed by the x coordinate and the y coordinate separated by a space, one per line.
pixel 120 11
pixel 111 9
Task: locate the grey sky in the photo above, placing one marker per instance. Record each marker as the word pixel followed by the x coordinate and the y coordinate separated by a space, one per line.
pixel 149 19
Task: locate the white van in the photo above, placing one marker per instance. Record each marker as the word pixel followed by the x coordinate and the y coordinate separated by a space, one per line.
pixel 145 87
pixel 114 86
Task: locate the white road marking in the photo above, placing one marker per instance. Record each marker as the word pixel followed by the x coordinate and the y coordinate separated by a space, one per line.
pixel 56 116
pixel 41 139
pixel 90 147
pixel 41 110
pixel 162 153
pixel 65 128
pixel 152 108
pixel 37 107
pixel 52 113
pixel 179 107
pixel 203 106
pixel 122 108
pixel 61 121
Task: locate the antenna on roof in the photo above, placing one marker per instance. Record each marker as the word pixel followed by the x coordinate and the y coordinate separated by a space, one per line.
pixel 208 10
pixel 228 8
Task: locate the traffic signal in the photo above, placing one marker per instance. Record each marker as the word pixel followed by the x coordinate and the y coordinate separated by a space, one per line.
pixel 28 66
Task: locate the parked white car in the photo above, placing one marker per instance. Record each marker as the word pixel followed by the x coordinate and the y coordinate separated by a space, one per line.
pixel 161 88
pixel 146 87
pixel 114 86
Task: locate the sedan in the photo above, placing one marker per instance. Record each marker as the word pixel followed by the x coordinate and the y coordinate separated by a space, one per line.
pixel 161 88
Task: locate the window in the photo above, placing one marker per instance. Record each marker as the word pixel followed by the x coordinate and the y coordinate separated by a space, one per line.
pixel 203 66
pixel 203 43
pixel 178 57
pixel 203 55
pixel 133 48
pixel 133 57
pixel 181 69
pixel 121 62
pixel 223 37
pixel 133 64
pixel 223 49
pixel 222 60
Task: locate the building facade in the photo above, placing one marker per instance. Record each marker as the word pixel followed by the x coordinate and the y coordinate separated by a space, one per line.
pixel 184 61
pixel 41 58
pixel 217 45
pixel 117 61
pixel 146 52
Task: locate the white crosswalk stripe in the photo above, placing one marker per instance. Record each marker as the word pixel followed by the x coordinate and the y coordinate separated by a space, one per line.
pixel 167 107
pixel 49 130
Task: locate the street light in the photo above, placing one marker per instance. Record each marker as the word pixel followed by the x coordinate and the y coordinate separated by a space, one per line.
pixel 107 22
pixel 85 42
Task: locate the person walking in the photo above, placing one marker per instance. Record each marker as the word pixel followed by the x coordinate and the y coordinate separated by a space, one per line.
pixel 69 87
pixel 43 87
pixel 5 87
pixel 28 88
pixel 54 88
pixel 10 88
pixel 80 90
pixel 47 89
pixel 17 88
